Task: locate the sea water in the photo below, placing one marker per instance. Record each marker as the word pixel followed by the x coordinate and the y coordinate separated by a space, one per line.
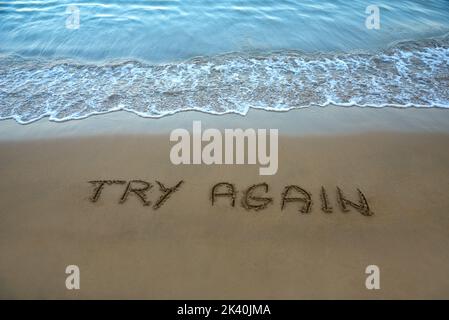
pixel 71 59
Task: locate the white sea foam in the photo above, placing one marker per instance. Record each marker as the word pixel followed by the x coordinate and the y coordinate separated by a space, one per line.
pixel 414 73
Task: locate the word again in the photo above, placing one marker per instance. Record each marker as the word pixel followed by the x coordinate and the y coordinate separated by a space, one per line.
pixel 255 198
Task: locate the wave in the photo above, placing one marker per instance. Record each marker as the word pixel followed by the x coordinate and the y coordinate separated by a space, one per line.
pixel 411 73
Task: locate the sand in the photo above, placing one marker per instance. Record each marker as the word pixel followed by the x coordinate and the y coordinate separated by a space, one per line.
pixel 188 248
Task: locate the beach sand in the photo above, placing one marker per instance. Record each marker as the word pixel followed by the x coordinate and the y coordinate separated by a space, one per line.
pixel 398 158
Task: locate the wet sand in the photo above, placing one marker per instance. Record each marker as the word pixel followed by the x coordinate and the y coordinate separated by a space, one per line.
pixel 188 248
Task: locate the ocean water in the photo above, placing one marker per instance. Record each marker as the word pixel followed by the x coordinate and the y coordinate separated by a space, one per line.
pixel 159 57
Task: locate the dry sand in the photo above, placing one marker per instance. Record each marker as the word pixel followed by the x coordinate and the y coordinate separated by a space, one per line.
pixel 188 248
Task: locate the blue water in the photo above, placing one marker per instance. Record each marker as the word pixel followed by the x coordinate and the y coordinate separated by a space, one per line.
pixel 159 57
pixel 166 31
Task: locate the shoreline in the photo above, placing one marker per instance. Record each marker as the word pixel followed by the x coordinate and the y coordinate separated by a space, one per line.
pixel 329 120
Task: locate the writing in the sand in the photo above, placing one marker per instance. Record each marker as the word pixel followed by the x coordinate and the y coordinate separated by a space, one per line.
pixel 139 188
pixel 256 197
